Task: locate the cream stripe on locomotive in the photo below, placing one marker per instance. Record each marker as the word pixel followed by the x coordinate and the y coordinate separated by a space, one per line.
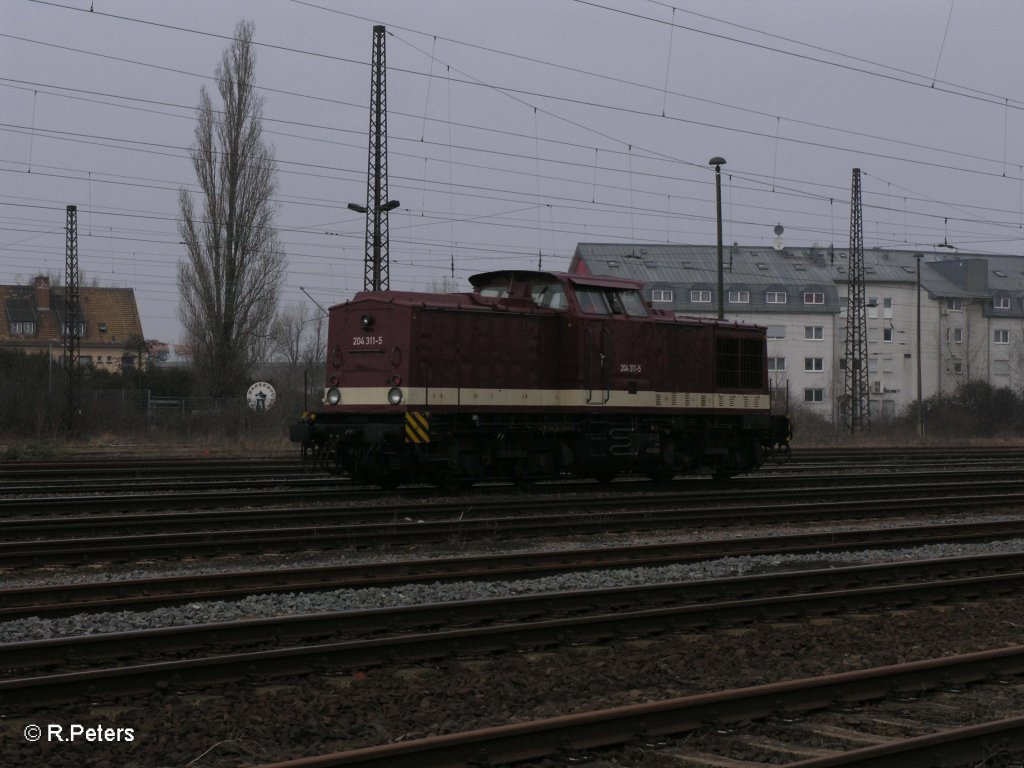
pixel 555 398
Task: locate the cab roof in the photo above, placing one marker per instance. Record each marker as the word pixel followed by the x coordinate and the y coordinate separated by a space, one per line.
pixel 529 275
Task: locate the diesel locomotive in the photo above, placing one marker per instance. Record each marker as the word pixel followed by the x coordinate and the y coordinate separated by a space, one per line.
pixel 537 375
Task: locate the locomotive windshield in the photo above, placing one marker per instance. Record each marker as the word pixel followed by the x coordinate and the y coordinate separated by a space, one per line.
pixel 549 293
pixel 543 291
pixel 610 301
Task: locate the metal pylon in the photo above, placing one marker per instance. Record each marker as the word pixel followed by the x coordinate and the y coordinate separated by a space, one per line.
pixel 71 330
pixel 375 268
pixel 857 394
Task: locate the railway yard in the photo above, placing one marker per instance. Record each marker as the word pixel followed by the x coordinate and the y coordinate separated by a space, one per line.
pixel 848 607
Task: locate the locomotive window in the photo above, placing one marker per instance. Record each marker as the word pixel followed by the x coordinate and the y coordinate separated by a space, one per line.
pixel 495 291
pixel 633 303
pixel 550 295
pixel 592 300
pixel 740 363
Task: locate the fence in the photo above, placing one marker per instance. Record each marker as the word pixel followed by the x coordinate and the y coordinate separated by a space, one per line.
pixel 142 402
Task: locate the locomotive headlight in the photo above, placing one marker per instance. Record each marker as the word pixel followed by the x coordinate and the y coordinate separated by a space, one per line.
pixel 366 321
pixel 333 396
pixel 394 395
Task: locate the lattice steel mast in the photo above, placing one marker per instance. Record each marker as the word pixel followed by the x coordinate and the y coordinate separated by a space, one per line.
pixel 72 332
pixel 858 398
pixel 376 267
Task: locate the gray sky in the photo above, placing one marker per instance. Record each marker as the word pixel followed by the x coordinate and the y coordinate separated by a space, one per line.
pixel 516 128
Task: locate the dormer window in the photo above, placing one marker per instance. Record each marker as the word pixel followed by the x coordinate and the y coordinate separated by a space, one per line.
pixel 23 328
pixel 103 327
pixel 1001 302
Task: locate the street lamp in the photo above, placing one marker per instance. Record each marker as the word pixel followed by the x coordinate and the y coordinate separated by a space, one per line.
pixel 374 219
pixel 718 162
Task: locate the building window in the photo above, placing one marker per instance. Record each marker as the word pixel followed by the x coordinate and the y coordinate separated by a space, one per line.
pixel 23 328
pixel 887 334
pixel 954 304
pixel 814 395
pixel 661 295
pixel 1001 367
pixel 814 332
pixel 776 331
pixel 103 327
pixel 700 297
pixel 776 364
pixel 1001 336
pixel 958 335
pixel 814 364
pixel 739 297
pixel 775 297
pixel 887 365
pixel 1003 302
pixel 887 307
pixel 872 306
pixel 812 297
pixel 958 367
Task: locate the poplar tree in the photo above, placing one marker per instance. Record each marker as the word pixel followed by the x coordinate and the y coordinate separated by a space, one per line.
pixel 231 278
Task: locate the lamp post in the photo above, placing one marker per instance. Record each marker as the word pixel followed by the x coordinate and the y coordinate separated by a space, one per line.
pixel 718 162
pixel 920 403
pixel 375 216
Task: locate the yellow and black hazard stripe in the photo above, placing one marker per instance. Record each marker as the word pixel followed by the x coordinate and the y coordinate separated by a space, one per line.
pixel 417 427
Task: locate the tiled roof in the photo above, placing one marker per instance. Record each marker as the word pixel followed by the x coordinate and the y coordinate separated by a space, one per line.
pixel 111 316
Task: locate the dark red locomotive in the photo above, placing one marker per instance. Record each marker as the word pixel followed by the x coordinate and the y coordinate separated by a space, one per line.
pixel 533 375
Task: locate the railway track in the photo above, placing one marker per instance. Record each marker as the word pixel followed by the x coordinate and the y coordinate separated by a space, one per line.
pixel 385 666
pixel 29 550
pixel 142 594
pixel 423 632
pixel 96 475
pixel 73 514
pixel 577 736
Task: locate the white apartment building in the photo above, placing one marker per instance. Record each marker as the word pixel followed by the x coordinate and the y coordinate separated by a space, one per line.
pixel 971 310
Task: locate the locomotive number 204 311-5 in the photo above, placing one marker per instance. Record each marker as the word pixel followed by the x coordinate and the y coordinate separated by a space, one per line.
pixel 367 341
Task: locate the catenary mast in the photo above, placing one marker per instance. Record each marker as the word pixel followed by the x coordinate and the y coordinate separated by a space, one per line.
pixel 857 417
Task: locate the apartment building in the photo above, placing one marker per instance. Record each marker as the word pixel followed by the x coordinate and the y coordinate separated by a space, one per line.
pixel 971 313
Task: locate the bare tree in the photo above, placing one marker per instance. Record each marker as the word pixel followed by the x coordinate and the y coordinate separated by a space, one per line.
pixel 300 342
pixel 289 330
pixel 230 282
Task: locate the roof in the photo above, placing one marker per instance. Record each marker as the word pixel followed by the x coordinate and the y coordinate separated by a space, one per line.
pixel 110 315
pixel 797 269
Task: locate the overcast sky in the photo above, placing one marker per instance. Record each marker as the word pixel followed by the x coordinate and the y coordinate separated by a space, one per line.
pixel 516 129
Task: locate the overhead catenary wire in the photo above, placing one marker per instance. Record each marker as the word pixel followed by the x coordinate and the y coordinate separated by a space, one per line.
pixel 748 211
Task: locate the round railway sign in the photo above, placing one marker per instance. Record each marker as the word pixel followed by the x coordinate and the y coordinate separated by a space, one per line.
pixel 261 396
